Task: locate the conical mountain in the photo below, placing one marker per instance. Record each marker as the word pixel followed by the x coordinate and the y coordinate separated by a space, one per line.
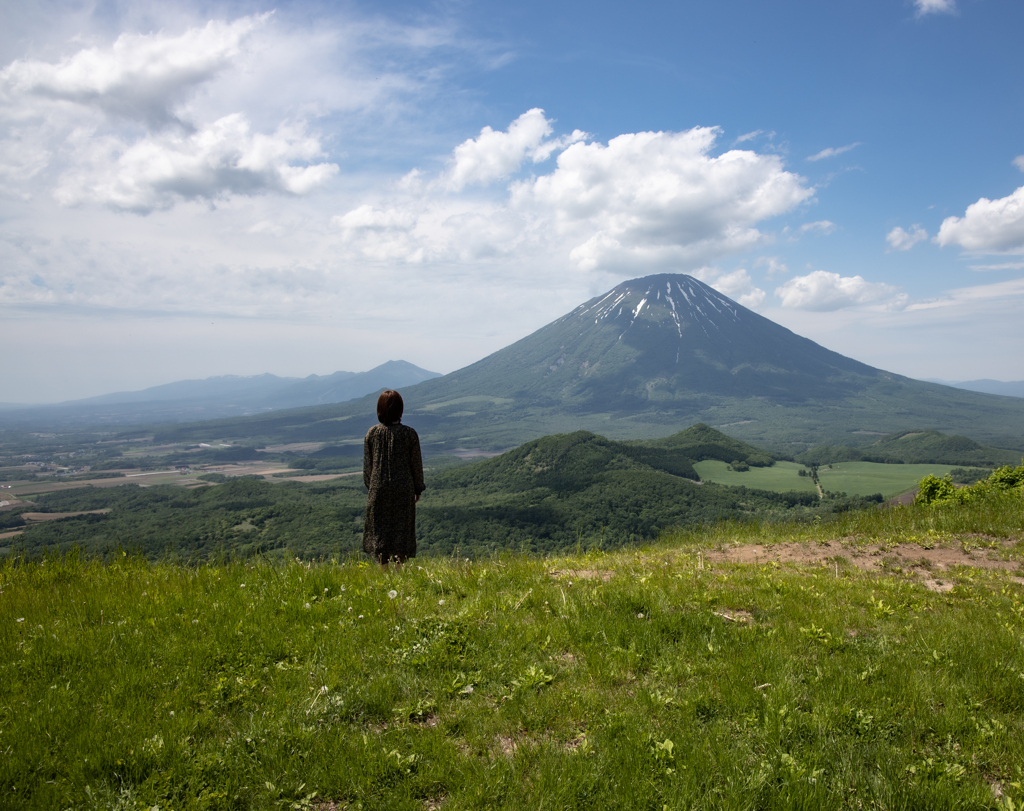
pixel 658 339
pixel 651 357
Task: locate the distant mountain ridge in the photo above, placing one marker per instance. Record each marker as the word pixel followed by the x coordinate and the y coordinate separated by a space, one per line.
pixel 1011 388
pixel 218 397
pixel 648 358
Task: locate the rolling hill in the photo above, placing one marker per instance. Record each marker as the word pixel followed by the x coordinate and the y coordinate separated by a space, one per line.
pixel 649 357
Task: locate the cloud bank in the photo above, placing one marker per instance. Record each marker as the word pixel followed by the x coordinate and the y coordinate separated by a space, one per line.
pixel 643 200
pixel 822 291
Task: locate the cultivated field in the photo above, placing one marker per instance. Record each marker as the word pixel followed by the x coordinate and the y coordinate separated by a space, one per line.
pixel 853 478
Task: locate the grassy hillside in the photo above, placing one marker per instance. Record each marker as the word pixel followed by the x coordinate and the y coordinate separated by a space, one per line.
pixel 854 478
pixel 641 679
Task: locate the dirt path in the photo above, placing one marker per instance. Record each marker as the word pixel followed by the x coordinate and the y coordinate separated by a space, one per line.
pixel 929 563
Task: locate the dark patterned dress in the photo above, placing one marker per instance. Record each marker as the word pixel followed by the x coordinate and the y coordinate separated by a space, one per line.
pixel 393 473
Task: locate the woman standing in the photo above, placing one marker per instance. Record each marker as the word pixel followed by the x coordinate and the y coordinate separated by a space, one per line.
pixel 393 473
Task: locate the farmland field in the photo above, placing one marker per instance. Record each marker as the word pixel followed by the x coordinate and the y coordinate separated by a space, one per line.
pixel 853 478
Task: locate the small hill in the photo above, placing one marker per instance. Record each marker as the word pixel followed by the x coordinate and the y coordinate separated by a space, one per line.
pixel 557 491
pixel 915 447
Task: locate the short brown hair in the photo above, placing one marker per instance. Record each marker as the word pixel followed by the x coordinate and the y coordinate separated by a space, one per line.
pixel 390 407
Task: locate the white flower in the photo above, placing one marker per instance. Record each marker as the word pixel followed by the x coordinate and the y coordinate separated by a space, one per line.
pixel 306 605
pixel 392 594
pixel 360 616
pixel 20 619
pixel 440 602
pixel 639 616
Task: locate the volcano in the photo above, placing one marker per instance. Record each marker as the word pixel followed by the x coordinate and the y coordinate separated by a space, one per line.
pixel 662 339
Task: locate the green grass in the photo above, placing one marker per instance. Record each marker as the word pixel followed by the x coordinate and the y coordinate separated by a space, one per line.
pixel 642 679
pixel 852 478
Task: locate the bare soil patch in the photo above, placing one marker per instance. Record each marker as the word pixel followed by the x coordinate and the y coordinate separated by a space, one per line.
pixel 979 552
pixel 57 516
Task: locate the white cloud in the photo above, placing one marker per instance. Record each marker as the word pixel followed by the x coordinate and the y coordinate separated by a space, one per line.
pixel 140 77
pixel 988 226
pixel 776 267
pixel 654 198
pixel 832 151
pixel 1019 162
pixel 822 291
pixel 821 226
pixel 900 240
pixel 934 7
pixel 495 155
pixel 1007 291
pixel 221 159
pixel 646 200
pixel 1000 266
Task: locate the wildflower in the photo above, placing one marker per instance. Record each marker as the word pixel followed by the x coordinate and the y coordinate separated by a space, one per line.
pixel 392 594
pixel 360 616
pixel 306 605
pixel 440 602
pixel 20 619
pixel 350 608
pixel 639 616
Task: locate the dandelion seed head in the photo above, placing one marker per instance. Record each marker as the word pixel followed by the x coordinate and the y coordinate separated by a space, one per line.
pixel 360 616
pixel 392 594
pixel 639 616
pixel 440 602
pixel 306 605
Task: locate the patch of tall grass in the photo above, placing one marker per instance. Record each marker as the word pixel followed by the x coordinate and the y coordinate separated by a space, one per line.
pixel 641 679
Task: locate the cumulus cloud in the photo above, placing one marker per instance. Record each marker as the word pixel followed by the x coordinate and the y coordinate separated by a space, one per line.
pixel 822 291
pixel 900 240
pixel 222 159
pixel 1019 162
pixel 644 200
pixel 140 125
pixel 924 7
pixel 832 151
pixel 140 77
pixel 988 226
pixel 495 155
pixel 656 197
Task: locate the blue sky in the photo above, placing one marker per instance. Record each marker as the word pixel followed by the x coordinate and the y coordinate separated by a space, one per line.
pixel 190 190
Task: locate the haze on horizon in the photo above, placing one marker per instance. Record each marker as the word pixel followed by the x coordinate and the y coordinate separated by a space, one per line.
pixel 192 190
